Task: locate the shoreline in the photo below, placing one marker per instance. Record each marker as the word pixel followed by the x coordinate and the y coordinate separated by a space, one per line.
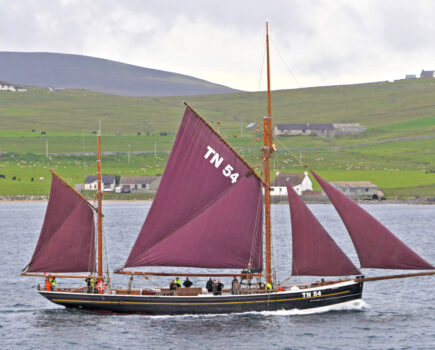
pixel 307 200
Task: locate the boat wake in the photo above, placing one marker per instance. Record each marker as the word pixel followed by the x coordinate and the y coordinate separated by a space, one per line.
pixel 354 305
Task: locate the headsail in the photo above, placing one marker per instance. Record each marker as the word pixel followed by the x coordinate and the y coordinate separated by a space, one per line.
pixel 376 246
pixel 315 253
pixel 67 239
pixel 208 209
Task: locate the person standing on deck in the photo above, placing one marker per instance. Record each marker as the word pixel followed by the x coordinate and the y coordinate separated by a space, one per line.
pixel 172 286
pixel 219 287
pixel 47 283
pixel 209 285
pixel 88 283
pixel 235 286
pixel 53 282
pixel 177 282
pixel 187 283
pixel 92 280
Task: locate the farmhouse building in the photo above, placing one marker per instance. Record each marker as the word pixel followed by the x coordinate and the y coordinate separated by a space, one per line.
pixel 356 188
pixel 148 184
pixel 4 86
pixel 325 130
pixel 299 182
pixel 91 183
pixel 425 74
pixel 348 129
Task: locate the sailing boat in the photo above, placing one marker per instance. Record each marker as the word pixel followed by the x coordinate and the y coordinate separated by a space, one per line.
pixel 208 213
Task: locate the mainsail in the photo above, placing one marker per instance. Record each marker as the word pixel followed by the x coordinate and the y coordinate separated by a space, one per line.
pixel 376 246
pixel 67 239
pixel 315 253
pixel 208 209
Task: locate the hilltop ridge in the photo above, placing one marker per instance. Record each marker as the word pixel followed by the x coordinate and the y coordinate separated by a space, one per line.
pixel 44 69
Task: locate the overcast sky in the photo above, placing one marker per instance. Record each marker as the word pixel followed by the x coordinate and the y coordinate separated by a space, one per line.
pixel 314 42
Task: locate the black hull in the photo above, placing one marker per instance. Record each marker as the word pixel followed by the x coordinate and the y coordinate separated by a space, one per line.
pixel 311 298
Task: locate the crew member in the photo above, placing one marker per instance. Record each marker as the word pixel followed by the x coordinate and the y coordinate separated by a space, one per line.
pixel 47 283
pixel 209 285
pixel 269 286
pixel 172 285
pixel 90 282
pixel 235 286
pixel 219 287
pixel 187 283
pixel 177 282
pixel 52 282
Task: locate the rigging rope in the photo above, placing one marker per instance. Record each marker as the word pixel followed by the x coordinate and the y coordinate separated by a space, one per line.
pixel 285 63
pixel 254 239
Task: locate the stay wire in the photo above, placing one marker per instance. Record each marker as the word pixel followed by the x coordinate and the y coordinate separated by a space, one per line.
pixel 290 151
pixel 285 63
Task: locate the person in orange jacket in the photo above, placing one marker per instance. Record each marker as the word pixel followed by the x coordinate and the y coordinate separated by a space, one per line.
pixel 47 283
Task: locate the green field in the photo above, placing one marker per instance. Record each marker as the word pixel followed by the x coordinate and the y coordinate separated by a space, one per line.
pixel 396 152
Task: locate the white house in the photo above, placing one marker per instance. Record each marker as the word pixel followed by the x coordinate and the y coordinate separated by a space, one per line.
pixel 91 183
pixel 325 130
pixel 138 184
pixel 4 86
pixel 357 188
pixel 299 182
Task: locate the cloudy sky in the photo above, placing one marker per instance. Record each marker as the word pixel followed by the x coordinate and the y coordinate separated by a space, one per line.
pixel 314 42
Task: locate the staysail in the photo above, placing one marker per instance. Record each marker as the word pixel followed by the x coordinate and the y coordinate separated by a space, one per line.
pixel 315 253
pixel 376 246
pixel 67 239
pixel 208 209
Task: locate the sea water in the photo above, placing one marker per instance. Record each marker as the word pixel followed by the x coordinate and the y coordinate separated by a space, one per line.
pixel 394 314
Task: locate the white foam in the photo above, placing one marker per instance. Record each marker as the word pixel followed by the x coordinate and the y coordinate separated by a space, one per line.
pixel 346 306
pixel 353 305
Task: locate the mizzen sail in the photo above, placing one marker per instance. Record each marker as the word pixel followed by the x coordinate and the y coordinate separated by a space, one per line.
pixel 67 239
pixel 208 209
pixel 315 253
pixel 376 246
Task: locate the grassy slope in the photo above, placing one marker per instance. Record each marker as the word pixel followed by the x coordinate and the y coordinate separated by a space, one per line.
pixel 395 151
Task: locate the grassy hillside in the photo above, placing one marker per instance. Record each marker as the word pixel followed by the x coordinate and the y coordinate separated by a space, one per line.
pixel 397 151
pixel 101 75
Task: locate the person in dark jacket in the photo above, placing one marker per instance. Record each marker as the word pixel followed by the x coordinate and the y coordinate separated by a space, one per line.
pixel 187 283
pixel 219 287
pixel 209 285
pixel 172 286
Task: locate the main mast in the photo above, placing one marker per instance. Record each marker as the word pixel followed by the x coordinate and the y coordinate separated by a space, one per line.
pixel 267 150
pixel 100 210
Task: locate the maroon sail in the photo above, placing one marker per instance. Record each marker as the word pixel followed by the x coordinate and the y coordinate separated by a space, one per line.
pixel 66 242
pixel 315 253
pixel 376 246
pixel 208 209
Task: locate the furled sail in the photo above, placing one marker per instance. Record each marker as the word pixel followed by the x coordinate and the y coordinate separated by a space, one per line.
pixel 208 209
pixel 376 246
pixel 315 253
pixel 67 239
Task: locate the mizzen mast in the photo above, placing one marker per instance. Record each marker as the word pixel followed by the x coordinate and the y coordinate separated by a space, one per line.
pixel 267 150
pixel 100 209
